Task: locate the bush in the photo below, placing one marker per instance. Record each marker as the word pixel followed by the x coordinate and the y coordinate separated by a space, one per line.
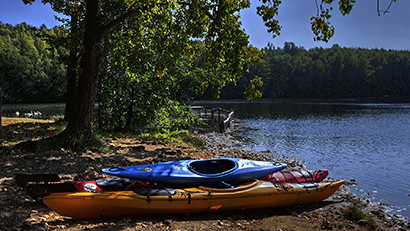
pixel 355 214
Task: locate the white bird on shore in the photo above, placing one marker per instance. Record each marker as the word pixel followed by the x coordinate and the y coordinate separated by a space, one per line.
pixel 37 114
pixel 17 114
pixel 32 114
pixel 28 114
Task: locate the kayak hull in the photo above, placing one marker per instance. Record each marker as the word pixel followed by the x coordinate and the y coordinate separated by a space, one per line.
pixel 190 173
pixel 38 190
pixel 259 194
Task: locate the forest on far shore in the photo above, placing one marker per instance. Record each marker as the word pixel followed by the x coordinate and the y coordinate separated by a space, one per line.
pixel 31 71
pixel 34 72
pixel 336 72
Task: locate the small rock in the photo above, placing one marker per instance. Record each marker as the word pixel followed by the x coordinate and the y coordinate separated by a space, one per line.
pixel 167 222
pixel 326 225
pixel 138 148
pixel 173 153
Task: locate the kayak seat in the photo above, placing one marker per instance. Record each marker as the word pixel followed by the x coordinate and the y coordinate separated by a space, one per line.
pixel 114 183
pixel 212 166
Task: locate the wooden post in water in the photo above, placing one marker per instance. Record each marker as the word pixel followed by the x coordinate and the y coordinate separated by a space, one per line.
pixel 212 114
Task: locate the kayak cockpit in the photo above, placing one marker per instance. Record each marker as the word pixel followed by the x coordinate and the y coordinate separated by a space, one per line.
pixel 213 166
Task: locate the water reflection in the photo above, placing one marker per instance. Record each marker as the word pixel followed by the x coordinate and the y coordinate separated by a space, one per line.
pixel 368 142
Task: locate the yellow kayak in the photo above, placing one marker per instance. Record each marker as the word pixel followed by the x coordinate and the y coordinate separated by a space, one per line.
pixel 259 194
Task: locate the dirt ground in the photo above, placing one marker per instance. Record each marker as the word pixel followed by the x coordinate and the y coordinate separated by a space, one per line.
pixel 20 212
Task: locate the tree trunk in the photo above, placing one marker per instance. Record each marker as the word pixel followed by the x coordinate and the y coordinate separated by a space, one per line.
pixel 89 69
pixel 82 116
pixel 71 88
pixel 72 68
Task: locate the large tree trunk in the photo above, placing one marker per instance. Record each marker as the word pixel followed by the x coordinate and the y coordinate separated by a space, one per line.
pixel 72 68
pixel 71 87
pixel 89 69
pixel 85 96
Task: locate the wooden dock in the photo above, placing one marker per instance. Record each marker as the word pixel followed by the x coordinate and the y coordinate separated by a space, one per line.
pixel 217 119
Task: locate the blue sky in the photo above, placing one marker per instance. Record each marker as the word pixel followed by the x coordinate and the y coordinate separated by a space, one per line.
pixel 362 28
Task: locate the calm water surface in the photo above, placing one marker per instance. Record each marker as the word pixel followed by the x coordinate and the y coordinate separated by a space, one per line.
pixel 365 141
pixel 47 110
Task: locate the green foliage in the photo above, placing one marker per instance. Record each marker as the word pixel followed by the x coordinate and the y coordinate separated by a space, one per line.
pixel 149 52
pixel 268 10
pixel 321 27
pixel 355 214
pixel 129 101
pixel 140 100
pixel 181 137
pixel 251 92
pixel 293 71
pixel 173 117
pixel 345 6
pixel 155 52
pixel 176 137
pixel 31 71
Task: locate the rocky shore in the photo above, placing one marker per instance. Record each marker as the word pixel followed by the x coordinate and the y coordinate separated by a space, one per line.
pixel 20 212
pixel 226 145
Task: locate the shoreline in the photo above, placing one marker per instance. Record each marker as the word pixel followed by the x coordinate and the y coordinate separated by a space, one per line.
pixel 22 213
pixel 228 144
pixel 394 210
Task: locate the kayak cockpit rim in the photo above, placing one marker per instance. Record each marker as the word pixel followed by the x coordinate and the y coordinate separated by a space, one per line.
pixel 213 167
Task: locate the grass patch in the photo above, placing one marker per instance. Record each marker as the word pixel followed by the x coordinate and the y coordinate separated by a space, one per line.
pixel 180 137
pixel 355 214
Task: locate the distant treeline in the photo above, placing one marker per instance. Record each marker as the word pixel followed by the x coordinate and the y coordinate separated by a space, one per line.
pixel 33 72
pixel 294 72
pixel 30 70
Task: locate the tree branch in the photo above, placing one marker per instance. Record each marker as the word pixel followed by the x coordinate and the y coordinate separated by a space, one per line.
pixel 122 18
pixel 385 11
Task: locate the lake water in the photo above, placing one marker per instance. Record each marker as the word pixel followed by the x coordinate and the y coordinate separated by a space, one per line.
pixel 365 141
pixel 47 110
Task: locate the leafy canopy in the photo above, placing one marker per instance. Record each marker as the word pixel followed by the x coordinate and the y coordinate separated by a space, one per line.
pixel 150 46
pixel 216 23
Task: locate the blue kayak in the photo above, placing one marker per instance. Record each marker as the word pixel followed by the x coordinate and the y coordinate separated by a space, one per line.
pixel 223 172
